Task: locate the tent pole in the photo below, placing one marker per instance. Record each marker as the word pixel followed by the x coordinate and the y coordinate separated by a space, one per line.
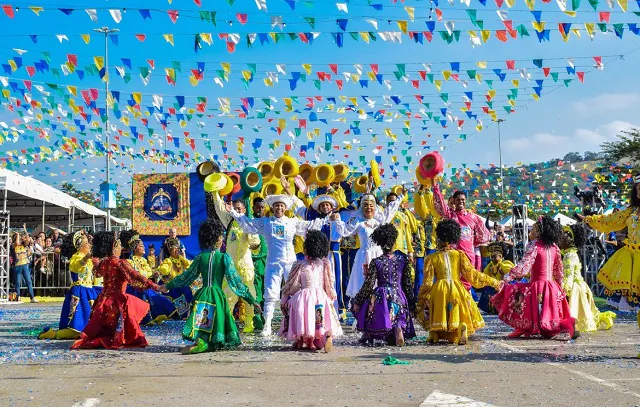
pixel 73 215
pixel 69 222
pixel 93 222
pixel 4 199
pixel 43 214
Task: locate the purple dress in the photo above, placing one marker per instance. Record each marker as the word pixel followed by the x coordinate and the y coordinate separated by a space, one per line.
pixel 386 297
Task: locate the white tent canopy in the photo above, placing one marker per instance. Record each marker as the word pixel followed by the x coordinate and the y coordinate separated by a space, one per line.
pixel 564 220
pixel 35 203
pixel 508 221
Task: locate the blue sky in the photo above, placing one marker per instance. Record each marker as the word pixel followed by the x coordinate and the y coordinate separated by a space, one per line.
pixel 575 118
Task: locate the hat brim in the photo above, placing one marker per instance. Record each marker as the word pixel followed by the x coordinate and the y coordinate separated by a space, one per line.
pixel 324 198
pixel 274 199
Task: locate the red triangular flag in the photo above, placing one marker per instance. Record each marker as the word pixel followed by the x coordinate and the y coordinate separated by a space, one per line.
pixel 242 18
pixel 173 15
pixel 334 68
pixel 8 10
pixel 580 76
pixel 141 37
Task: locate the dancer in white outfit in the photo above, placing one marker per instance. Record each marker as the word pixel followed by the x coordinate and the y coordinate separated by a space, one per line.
pixel 278 231
pixel 370 218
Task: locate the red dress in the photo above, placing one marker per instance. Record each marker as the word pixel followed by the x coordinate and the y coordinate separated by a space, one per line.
pixel 538 307
pixel 112 304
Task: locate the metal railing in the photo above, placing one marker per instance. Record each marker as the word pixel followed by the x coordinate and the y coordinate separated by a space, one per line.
pixel 50 276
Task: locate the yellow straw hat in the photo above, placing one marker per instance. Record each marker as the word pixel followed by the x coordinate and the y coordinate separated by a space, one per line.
pixel 286 166
pixel 360 185
pixel 266 170
pixel 228 186
pixel 214 182
pixel 342 172
pixel 307 172
pixel 422 180
pixel 375 172
pixel 324 175
pixel 272 188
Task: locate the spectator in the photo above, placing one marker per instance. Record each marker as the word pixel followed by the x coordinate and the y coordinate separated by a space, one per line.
pixel 39 259
pixel 20 253
pixel 611 244
pixel 56 239
pixel 165 253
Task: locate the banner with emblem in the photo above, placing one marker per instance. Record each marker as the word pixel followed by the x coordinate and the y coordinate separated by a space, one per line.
pixel 160 202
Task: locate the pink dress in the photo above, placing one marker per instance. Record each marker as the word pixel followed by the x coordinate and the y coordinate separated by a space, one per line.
pixel 307 299
pixel 538 307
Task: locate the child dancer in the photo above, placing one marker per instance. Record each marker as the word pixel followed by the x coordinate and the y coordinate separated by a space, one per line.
pixel 113 305
pixel 583 308
pixel 384 312
pixel 161 307
pixel 445 307
pixel 307 298
pixel 151 257
pixel 538 307
pixel 76 309
pixel 170 268
pixel 210 323
pixel 497 269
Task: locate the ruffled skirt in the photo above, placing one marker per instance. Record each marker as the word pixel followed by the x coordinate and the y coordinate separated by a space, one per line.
pixel 310 315
pixel 76 309
pixel 384 311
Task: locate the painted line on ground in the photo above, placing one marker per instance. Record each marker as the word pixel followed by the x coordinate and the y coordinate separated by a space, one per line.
pixel 440 399
pixel 560 366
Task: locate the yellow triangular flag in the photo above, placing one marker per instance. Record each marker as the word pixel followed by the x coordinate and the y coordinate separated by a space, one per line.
pixel 446 75
pixel 402 25
pixel 438 84
pixel 410 11
pixel 515 82
pixel 623 5
pixel 99 62
pixel 510 3
pixel 73 90
pixel 481 64
pixel 137 96
pixel 531 4
pixel 86 38
pixel 486 34
pixel 193 80
pixel 246 75
pixel 365 36
pixel 571 13
pixel 307 68
pixel 538 26
pixel 36 10
pixel 226 67
pixel 168 38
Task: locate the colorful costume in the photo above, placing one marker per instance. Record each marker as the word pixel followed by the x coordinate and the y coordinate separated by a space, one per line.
pixel 279 234
pixel 539 306
pixel 386 298
pixel 161 307
pixel 425 239
pixel 583 308
pixel 308 297
pixel 76 309
pixel 259 257
pixel 114 304
pixel 169 269
pixel 498 271
pixel 473 230
pixel 238 245
pixel 368 250
pixel 621 273
pixel 445 305
pixel 210 322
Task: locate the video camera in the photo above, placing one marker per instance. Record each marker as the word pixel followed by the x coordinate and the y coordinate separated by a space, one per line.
pixel 592 199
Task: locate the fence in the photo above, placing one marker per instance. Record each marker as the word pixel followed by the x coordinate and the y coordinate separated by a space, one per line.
pixel 50 276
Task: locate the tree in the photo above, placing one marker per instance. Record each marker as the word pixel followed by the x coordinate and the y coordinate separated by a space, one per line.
pixel 591 156
pixel 572 157
pixel 124 205
pixel 627 149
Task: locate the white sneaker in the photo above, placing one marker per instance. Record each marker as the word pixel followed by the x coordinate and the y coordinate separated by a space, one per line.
pixel 33 300
pixel 265 332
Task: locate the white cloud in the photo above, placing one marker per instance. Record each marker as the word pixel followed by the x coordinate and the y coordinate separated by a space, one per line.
pixel 607 102
pixel 545 146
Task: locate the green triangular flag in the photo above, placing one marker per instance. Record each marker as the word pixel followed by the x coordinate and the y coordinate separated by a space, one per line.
pixel 554 76
pixel 594 4
pixel 472 15
pixel 311 21
pixel 471 73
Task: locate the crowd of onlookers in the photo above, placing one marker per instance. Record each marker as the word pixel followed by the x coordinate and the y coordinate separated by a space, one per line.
pixel 29 255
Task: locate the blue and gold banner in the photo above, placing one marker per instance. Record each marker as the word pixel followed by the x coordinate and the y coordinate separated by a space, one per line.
pixel 160 202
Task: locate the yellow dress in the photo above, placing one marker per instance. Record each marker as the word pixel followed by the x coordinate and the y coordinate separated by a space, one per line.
pixel 445 304
pixel 621 273
pixel 404 242
pixel 172 267
pixel 583 308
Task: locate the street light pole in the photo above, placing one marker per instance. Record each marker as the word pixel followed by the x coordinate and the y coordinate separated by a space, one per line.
pixel 106 31
pixel 500 158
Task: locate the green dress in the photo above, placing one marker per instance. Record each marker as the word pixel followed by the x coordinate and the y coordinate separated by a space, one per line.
pixel 259 264
pixel 209 317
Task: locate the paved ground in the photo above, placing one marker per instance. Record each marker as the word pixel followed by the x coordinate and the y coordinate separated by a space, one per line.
pixel 599 369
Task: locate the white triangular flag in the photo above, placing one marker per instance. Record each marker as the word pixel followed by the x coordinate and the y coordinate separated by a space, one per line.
pixel 116 14
pixel 93 15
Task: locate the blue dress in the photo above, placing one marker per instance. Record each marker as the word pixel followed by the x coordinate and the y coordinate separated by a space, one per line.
pixel 159 305
pixel 76 309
